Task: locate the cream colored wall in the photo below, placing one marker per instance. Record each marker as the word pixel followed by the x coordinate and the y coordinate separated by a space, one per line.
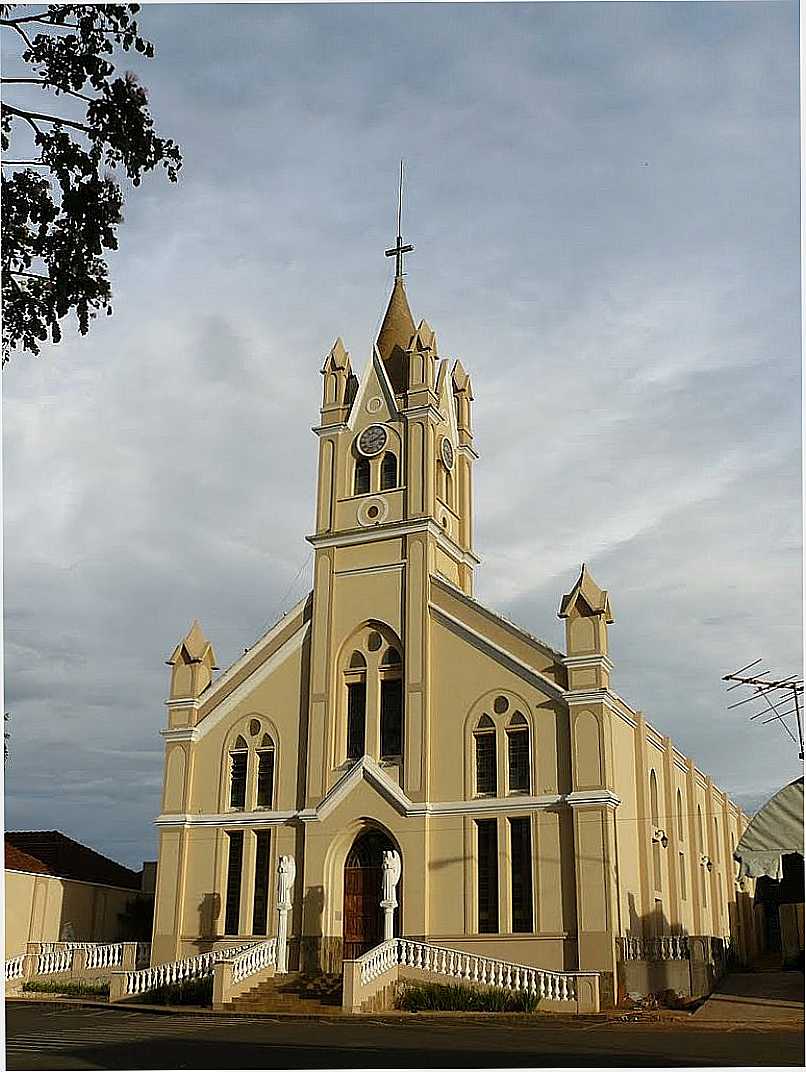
pixel 629 829
pixel 38 906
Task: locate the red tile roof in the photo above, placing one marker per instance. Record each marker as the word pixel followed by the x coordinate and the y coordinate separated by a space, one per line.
pixel 17 860
pixel 59 855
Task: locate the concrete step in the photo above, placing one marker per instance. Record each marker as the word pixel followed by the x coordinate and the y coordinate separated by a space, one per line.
pixel 292 993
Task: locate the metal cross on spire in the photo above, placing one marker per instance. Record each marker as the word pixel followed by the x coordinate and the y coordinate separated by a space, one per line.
pixel 399 249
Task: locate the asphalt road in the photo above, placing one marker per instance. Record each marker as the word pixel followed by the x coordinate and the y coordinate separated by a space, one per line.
pixel 48 1035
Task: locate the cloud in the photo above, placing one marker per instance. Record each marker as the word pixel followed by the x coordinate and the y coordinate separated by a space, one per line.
pixel 604 202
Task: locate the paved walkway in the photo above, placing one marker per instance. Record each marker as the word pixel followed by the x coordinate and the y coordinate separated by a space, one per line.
pixel 753 996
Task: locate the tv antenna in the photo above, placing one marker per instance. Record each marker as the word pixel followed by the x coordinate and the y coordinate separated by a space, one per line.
pixel 781 697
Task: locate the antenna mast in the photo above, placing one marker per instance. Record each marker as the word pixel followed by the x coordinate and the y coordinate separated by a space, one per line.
pixel 786 695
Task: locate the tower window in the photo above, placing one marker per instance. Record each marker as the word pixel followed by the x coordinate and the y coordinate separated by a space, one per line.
pixel 356 718
pixel 520 836
pixel 388 471
pixel 265 774
pixel 232 917
pixel 392 717
pixel 484 742
pixel 487 841
pixel 518 754
pixel 361 483
pixel 237 784
pixel 261 901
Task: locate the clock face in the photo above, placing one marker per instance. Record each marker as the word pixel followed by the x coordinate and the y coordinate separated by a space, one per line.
pixel 447 454
pixel 372 440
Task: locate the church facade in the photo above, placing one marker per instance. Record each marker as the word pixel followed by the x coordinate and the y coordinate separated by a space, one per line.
pixel 537 816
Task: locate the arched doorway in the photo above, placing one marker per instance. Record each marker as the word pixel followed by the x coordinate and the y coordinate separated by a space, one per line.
pixel 363 915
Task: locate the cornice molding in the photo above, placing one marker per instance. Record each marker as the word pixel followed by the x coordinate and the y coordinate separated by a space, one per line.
pixel 390 531
pixel 585 662
pixel 610 700
pixel 181 733
pixel 582 797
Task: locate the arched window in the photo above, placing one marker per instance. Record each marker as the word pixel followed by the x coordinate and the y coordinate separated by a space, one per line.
pixel 703 870
pixel 371 713
pixel 485 757
pixel 356 681
pixel 391 704
pixel 388 471
pixel 681 826
pixel 518 764
pixel 449 489
pixel 716 840
pixel 653 809
pixel 265 772
pixel 361 481
pixel 238 758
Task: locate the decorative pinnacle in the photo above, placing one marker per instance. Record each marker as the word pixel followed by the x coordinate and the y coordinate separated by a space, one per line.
pixel 399 249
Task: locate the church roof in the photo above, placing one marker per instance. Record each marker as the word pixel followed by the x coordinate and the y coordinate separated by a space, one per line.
pixel 395 336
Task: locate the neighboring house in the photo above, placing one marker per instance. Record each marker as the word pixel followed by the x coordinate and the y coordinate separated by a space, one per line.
pixel 537 815
pixel 57 889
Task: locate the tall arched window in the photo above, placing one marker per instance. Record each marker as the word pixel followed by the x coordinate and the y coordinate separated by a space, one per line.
pixel 653 809
pixel 518 764
pixel 716 840
pixel 265 772
pixel 238 758
pixel 485 757
pixel 681 837
pixel 356 681
pixel 361 481
pixel 391 704
pixel 703 870
pixel 449 489
pixel 681 826
pixel 389 471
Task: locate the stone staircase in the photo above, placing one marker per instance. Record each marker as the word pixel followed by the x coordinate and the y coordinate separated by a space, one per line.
pixel 292 993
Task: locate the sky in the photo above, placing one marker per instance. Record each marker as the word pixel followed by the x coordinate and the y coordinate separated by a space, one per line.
pixel 604 200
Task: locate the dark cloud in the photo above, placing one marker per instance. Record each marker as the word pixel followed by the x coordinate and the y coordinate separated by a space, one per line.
pixel 604 200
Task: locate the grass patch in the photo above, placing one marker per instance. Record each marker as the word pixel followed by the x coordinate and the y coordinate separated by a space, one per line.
pixel 435 997
pixel 72 989
pixel 189 992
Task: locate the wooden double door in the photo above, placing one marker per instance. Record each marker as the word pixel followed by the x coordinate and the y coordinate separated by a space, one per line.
pixel 363 880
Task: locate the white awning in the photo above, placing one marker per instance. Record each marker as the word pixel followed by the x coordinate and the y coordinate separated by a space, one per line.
pixel 774 831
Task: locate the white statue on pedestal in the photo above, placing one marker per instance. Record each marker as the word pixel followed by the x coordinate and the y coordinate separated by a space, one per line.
pixel 286 873
pixel 390 877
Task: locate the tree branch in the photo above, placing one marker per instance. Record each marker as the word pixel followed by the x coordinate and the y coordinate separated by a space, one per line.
pixel 40 17
pixel 30 275
pixel 27 163
pixel 20 31
pixel 46 118
pixel 47 85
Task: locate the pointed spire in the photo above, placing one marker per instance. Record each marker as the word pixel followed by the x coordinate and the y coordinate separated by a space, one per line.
pixel 398 324
pixel 596 598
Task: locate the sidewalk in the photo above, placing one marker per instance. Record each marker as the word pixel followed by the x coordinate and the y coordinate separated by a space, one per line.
pixel 750 996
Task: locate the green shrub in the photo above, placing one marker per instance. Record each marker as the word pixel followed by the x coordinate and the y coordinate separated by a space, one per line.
pixel 189 992
pixel 434 997
pixel 78 990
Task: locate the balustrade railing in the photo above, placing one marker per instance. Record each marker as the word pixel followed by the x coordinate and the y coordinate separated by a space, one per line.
pixel 104 956
pixel 467 967
pixel 254 959
pixel 60 960
pixel 14 967
pixel 663 947
pixel 178 971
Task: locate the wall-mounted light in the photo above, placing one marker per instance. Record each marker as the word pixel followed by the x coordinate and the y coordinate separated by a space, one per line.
pixel 660 836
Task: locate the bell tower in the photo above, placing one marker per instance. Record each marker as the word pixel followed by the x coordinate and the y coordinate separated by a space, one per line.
pixel 393 511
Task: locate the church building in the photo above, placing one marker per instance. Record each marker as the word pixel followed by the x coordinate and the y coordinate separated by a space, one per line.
pixel 537 816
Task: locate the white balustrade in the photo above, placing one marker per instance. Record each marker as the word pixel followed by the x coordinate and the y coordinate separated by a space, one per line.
pixel 104 956
pixel 254 959
pixel 664 947
pixel 14 967
pixel 60 960
pixel 178 971
pixel 455 964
